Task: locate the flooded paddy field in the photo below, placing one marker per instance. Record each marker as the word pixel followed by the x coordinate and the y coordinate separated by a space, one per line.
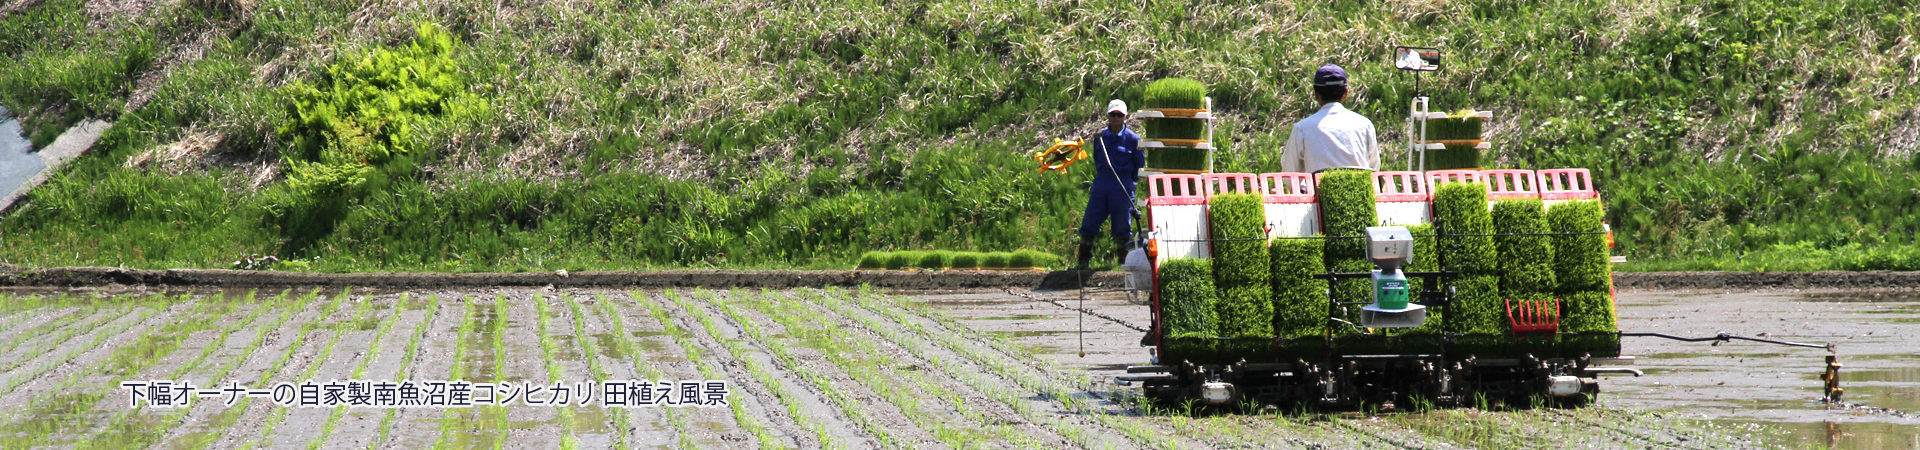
pixel 851 368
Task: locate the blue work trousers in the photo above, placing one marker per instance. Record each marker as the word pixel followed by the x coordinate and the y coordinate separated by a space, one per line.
pixel 1116 207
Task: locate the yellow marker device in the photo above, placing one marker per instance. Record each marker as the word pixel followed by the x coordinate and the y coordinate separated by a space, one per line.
pixel 1063 153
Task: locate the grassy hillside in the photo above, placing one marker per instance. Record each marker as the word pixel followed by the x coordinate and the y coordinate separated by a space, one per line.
pixel 549 135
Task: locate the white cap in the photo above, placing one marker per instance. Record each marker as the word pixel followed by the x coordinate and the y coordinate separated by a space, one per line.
pixel 1117 105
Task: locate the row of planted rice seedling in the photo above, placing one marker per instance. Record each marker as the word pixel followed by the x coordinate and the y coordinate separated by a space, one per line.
pixel 1515 250
pixel 952 260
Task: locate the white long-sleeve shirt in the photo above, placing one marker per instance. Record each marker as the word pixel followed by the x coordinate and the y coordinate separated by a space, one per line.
pixel 1334 137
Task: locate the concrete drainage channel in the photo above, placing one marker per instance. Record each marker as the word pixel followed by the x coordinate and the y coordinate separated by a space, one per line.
pixel 22 168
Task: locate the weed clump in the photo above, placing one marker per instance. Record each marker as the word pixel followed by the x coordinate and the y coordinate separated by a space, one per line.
pixel 1186 286
pixel 350 134
pixel 1299 299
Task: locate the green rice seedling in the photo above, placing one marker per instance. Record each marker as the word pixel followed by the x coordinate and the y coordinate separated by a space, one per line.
pixel 1457 155
pixel 874 260
pixel 1588 312
pixel 1478 306
pixel 1425 259
pixel 1181 93
pixel 1461 216
pixel 1187 290
pixel 1581 260
pixel 1022 259
pixel 1299 299
pixel 902 260
pixel 1241 266
pixel 1180 159
pixel 1526 258
pixel 965 260
pixel 934 260
pixel 996 260
pixel 1175 128
pixel 1458 125
pixel 1346 210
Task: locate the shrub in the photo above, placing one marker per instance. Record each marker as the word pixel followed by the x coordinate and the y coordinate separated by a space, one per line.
pixel 1580 261
pixel 1179 159
pixel 1186 288
pixel 934 260
pixel 965 260
pixel 1526 262
pixel 874 260
pixel 1299 299
pixel 995 260
pixel 1461 209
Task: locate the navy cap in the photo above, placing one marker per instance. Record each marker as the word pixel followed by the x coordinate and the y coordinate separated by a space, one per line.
pixel 1330 75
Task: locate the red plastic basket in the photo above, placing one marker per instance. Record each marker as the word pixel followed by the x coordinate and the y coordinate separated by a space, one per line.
pixel 1567 184
pixel 1511 184
pixel 1287 187
pixel 1534 316
pixel 1176 189
pixel 1399 187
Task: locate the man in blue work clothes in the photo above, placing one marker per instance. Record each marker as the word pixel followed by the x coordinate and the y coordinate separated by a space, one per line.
pixel 1117 159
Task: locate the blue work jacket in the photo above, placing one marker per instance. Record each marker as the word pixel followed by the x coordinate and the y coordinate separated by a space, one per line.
pixel 1117 160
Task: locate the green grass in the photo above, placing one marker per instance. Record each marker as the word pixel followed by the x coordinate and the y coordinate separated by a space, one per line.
pixel 1032 258
pixel 1745 135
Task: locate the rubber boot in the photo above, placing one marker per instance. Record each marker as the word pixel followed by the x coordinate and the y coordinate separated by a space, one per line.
pixel 1085 254
pixel 1121 245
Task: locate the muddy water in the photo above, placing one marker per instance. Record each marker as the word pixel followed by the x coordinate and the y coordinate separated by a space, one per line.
pixel 17 161
pixel 1735 384
pixel 1878 339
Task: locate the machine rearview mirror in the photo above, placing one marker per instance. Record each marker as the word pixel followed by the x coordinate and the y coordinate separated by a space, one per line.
pixel 1420 59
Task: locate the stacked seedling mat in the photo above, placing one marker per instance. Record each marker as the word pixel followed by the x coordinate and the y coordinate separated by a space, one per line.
pixel 1178 118
pixel 1454 140
pixel 1512 237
